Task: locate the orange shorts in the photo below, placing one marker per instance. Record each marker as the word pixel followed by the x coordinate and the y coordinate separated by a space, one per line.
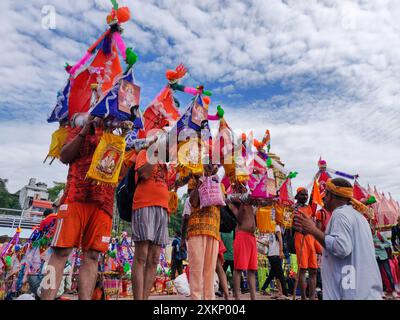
pixel 309 254
pixel 83 225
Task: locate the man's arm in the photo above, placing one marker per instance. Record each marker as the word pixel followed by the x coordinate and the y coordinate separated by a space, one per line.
pixel 70 151
pixel 232 207
pixel 305 225
pixel 194 195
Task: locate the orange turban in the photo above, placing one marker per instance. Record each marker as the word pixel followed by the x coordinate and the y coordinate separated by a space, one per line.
pixel 299 189
pixel 344 192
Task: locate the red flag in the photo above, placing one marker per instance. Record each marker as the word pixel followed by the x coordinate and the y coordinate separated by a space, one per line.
pixel 286 194
pixel 359 192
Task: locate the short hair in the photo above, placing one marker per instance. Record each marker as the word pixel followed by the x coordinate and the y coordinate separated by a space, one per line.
pixel 47 212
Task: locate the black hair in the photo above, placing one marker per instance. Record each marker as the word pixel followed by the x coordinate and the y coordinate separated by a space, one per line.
pixel 47 212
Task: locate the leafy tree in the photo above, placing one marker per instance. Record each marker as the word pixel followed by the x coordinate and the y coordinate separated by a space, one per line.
pixel 8 200
pixel 55 191
pixel 176 219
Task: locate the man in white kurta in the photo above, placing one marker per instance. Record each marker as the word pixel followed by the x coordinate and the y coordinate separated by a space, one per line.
pixel 349 269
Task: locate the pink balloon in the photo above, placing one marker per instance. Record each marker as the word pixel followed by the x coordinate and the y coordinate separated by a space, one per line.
pixel 191 91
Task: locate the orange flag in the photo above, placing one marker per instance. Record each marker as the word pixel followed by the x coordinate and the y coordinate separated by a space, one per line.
pixel 316 194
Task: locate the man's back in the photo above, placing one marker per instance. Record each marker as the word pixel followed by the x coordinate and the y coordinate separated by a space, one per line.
pixel 349 269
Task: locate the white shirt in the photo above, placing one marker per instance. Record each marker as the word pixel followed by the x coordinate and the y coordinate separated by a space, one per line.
pixel 349 269
pixel 273 247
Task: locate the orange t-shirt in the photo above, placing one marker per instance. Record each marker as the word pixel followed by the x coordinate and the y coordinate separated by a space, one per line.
pixel 152 192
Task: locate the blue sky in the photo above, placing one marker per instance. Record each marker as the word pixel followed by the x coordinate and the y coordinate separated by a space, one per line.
pixel 321 75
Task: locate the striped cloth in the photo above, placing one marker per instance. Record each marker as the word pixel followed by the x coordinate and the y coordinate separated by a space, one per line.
pixel 150 224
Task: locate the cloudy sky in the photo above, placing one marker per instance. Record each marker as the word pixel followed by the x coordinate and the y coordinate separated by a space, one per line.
pixel 321 75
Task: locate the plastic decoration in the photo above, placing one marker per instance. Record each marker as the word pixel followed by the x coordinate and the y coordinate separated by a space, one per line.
pixel 60 111
pixel 172 202
pixel 107 159
pixel 58 139
pixel 162 111
pixel 119 101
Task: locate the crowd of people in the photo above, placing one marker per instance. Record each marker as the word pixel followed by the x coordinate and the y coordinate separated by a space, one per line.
pixel 340 249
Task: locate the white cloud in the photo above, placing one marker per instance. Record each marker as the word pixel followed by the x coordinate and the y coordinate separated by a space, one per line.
pixel 24 146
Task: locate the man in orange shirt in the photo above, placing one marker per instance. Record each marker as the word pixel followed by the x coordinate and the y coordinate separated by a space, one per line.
pixel 85 216
pixel 149 222
pixel 305 249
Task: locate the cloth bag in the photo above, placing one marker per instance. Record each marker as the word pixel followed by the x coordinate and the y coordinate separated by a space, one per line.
pixel 107 159
pixel 210 192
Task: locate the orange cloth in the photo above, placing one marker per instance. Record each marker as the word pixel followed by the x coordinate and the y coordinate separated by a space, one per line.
pixel 323 216
pixel 316 194
pixel 245 256
pixel 299 189
pixel 82 224
pixel 173 202
pixel 309 254
pixel 152 192
pixel 204 222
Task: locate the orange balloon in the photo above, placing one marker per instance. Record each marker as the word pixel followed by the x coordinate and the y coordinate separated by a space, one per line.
pixel 206 100
pixel 123 14
pixel 170 75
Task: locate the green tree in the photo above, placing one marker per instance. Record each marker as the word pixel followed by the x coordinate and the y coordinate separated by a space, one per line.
pixel 55 191
pixel 8 200
pixel 176 219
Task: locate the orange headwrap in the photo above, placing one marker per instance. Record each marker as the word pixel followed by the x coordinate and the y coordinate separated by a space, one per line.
pixel 344 192
pixel 299 189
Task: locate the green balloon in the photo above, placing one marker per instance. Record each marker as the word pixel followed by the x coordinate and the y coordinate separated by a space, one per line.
pixel 131 57
pixel 269 162
pixel 221 112
pixel 127 267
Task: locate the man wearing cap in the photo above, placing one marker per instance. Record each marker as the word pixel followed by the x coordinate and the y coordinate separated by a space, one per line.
pixel 349 269
pixel 305 248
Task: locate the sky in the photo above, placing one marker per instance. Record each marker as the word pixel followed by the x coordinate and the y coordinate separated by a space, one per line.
pixel 322 76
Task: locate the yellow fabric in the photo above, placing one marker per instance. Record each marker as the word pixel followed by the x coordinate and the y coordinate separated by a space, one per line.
pixel 204 222
pixel 361 207
pixel 107 159
pixel 265 223
pixel 230 170
pixel 279 214
pixel 345 192
pixel 185 157
pixel 58 139
pixel 172 202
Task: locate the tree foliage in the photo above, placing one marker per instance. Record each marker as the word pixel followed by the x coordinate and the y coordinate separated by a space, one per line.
pixel 55 191
pixel 8 200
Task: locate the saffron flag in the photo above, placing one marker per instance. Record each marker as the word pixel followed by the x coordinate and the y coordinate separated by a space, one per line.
pixel 316 194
